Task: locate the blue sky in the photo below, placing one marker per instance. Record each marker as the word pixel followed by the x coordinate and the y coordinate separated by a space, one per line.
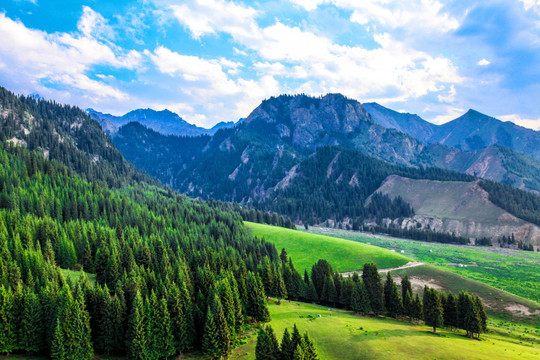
pixel 216 60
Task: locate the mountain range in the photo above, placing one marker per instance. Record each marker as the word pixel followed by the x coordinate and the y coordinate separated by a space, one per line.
pixel 315 159
pixel 164 121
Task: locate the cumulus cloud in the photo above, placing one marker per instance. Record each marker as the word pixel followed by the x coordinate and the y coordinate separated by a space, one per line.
pixel 522 121
pixel 208 83
pixel 483 62
pixel 61 60
pixel 321 65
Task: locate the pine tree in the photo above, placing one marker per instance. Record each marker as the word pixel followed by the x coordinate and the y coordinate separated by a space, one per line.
pixel 296 338
pixel 374 287
pixel 417 310
pixel 481 314
pixel 257 307
pixel 181 314
pixel 216 342
pixel 287 348
pixel 450 311
pixel 298 353
pixel 469 317
pixel 31 330
pixel 433 310
pixel 136 333
pixel 392 301
pixel 58 351
pixel 7 334
pixel 408 304
pixel 310 353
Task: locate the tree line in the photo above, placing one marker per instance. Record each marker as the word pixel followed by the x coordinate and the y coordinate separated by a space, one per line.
pixel 367 294
pixel 293 345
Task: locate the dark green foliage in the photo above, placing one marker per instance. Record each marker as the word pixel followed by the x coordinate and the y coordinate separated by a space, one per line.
pixel 320 272
pixel 256 306
pixel 360 301
pixel 136 333
pixel 392 300
pixel 433 309
pixel 7 322
pixel 216 341
pixel 417 311
pixel 374 287
pixel 450 311
pixel 267 347
pixel 523 204
pixel 471 314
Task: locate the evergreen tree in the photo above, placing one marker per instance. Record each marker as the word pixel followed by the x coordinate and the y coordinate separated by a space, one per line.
pixel 374 287
pixel 392 300
pixel 450 311
pixel 310 353
pixel 433 310
pixel 7 324
pixel 257 307
pixel 136 333
pixel 417 310
pixel 287 348
pixel 408 304
pixel 216 341
pixel 481 314
pixel 31 330
pixel 58 351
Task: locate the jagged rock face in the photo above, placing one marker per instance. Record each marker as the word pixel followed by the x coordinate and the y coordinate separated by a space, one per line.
pixel 309 122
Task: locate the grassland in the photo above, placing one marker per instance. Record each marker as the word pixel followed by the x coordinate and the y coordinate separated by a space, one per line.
pixel 305 249
pixel 514 271
pixel 74 276
pixel 344 335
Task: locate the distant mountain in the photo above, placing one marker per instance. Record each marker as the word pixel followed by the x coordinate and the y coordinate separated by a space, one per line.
pixel 165 122
pixel 411 124
pixel 471 131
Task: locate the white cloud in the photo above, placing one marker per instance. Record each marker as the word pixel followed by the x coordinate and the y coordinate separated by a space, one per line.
pixel 483 62
pixel 531 4
pixel 34 57
pixel 93 25
pixel 308 4
pixel 450 113
pixel 203 17
pixel 393 70
pixel 450 98
pixel 413 14
pixel 525 122
pixel 206 83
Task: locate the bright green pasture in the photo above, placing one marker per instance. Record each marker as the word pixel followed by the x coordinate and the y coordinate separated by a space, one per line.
pixel 347 336
pixel 305 249
pixel 515 271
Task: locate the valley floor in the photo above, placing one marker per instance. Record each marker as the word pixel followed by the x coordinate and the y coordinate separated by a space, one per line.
pixel 343 335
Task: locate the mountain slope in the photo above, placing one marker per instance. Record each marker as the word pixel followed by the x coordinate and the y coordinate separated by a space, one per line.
pixel 462 208
pixel 65 134
pixel 471 131
pixel 411 124
pixel 164 122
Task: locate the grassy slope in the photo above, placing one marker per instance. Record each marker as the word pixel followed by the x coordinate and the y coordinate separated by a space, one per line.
pixel 347 336
pixel 305 249
pixel 491 265
pixel 455 200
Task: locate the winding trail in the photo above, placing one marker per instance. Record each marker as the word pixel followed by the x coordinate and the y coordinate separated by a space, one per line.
pixel 410 264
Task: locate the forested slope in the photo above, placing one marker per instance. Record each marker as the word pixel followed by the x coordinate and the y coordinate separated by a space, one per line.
pixel 164 264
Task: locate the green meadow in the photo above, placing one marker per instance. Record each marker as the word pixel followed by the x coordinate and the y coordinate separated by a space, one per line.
pixel 344 255
pixel 343 335
pixel 491 265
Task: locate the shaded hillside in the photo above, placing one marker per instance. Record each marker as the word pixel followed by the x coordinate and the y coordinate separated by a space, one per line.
pixel 334 184
pixel 411 124
pixel 461 208
pixel 495 162
pixel 66 134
